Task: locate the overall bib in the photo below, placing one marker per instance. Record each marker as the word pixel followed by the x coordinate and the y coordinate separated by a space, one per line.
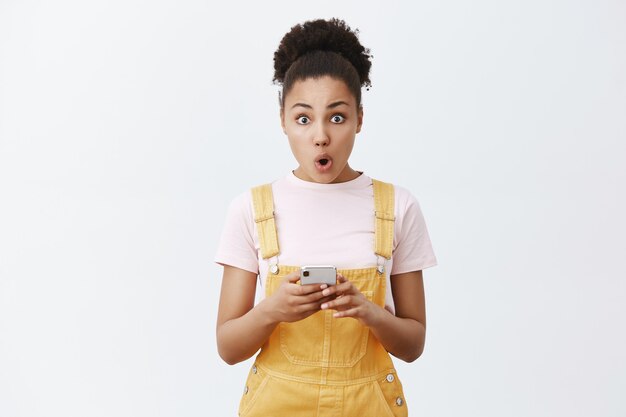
pixel 324 366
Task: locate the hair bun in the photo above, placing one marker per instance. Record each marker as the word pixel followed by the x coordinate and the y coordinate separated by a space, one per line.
pixel 326 35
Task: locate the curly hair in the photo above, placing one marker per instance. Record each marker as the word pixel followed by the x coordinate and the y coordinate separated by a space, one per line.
pixel 322 47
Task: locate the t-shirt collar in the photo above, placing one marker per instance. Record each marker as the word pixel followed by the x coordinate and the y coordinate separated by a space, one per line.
pixel 361 181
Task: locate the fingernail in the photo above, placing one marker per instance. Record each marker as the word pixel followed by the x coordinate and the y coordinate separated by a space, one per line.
pixel 325 292
pixel 324 306
pixel 324 286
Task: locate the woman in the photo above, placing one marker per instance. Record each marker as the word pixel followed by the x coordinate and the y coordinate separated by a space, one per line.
pixel 324 348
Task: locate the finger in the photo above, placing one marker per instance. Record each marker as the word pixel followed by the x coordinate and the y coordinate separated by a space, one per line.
pixel 352 312
pixel 316 304
pixel 343 288
pixel 318 297
pixel 344 284
pixel 338 303
pixel 308 289
pixel 325 300
pixel 308 307
pixel 292 277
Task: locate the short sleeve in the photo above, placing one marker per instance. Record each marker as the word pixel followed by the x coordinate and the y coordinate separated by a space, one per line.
pixel 237 246
pixel 413 250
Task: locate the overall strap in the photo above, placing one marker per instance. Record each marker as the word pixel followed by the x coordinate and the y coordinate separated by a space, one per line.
pixel 263 202
pixel 384 202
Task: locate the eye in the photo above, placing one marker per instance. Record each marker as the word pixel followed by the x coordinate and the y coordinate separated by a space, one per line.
pixel 337 118
pixel 302 120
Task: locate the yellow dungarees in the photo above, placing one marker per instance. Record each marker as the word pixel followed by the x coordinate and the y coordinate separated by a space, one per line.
pixel 321 365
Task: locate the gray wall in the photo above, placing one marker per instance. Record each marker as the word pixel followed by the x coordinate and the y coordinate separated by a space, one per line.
pixel 126 127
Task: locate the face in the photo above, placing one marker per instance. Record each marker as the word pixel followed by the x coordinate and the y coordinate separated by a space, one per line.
pixel 321 119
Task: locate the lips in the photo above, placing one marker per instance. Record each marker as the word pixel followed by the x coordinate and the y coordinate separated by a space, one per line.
pixel 323 162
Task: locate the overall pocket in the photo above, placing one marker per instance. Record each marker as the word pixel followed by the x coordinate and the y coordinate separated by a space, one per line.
pixel 348 337
pixel 301 341
pixel 321 339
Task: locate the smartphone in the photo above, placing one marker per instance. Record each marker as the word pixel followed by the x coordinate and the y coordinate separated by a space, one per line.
pixel 322 274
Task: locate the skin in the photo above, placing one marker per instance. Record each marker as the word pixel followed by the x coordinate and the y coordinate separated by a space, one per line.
pixel 320 117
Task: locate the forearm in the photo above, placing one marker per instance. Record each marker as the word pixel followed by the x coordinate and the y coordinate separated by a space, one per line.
pixel 402 337
pixel 240 338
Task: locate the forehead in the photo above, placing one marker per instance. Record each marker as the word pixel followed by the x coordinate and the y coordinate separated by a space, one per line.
pixel 319 92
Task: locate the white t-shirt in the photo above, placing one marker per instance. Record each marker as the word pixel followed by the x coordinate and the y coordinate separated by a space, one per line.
pixel 326 224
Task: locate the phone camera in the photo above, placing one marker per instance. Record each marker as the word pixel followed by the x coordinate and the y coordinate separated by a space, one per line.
pixel 305 273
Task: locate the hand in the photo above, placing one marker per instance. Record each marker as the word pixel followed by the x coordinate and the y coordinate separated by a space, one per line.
pixel 292 302
pixel 350 302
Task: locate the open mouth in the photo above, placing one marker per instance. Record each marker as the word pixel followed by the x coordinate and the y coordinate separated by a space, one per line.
pixel 323 163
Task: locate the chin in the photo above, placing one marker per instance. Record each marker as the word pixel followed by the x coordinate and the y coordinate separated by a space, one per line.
pixel 322 178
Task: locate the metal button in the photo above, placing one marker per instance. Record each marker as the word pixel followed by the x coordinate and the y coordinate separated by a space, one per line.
pixel 245 390
pixel 380 269
pixel 399 401
pixel 274 269
pixel 254 369
pixel 390 378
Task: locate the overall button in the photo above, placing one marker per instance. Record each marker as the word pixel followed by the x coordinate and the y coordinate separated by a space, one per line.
pixel 380 269
pixel 254 369
pixel 399 401
pixel 274 269
pixel 390 378
pixel 245 390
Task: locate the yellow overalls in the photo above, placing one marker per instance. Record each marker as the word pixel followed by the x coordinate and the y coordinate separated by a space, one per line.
pixel 324 366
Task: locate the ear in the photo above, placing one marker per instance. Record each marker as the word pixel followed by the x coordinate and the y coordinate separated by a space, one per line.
pixel 360 119
pixel 282 119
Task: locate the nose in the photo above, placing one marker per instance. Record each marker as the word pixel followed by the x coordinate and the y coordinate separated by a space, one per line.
pixel 321 137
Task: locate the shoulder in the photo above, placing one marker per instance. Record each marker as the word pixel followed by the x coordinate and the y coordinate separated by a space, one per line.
pixel 404 199
pixel 243 203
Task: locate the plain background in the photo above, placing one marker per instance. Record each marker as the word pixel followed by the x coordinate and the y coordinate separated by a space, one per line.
pixel 126 127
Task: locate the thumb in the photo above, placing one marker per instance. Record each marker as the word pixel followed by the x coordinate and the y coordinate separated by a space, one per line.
pixel 292 277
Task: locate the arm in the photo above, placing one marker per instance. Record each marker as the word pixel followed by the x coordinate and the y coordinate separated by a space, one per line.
pixel 402 334
pixel 237 314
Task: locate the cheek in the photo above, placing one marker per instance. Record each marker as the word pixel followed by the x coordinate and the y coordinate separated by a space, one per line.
pixel 348 135
pixel 295 135
pixel 347 146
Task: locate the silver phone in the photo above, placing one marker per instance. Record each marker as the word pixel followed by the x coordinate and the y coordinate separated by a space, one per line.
pixel 321 274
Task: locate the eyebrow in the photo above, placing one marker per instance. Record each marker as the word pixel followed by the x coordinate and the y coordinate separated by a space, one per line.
pixel 330 106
